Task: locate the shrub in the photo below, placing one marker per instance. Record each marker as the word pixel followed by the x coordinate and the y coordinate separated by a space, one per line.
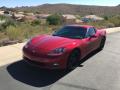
pixel 25 31
pixel 106 17
pixel 2 35
pixel 110 25
pixel 36 22
pixel 54 19
pixel 8 22
pixel 2 17
pixel 115 20
pixel 14 33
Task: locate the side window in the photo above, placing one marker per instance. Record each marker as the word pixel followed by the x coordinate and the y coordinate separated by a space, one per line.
pixel 90 32
pixel 94 29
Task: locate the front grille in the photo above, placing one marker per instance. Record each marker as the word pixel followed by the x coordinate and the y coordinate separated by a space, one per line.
pixel 36 63
pixel 34 53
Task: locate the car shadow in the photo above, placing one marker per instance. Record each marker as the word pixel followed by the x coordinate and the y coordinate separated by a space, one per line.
pixel 79 64
pixel 39 77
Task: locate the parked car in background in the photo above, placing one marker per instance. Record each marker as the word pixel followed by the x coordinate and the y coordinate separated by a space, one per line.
pixel 65 47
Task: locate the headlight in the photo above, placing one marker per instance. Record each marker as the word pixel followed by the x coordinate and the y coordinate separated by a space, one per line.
pixel 57 51
pixel 28 43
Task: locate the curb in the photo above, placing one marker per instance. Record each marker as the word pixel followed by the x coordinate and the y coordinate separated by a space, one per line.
pixel 112 30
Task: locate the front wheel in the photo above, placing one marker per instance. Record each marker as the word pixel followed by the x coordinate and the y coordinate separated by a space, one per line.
pixel 73 59
pixel 102 44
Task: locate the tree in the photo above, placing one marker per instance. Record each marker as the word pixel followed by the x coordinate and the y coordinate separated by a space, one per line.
pixel 54 19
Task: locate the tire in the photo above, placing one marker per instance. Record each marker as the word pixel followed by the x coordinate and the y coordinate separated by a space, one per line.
pixel 102 43
pixel 73 59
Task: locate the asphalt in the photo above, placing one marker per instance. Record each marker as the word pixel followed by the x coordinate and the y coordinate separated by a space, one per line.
pixel 98 71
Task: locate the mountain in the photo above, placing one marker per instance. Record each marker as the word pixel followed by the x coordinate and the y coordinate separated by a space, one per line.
pixel 71 9
pixel 118 5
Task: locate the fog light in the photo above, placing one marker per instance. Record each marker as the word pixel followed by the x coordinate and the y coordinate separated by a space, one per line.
pixel 55 64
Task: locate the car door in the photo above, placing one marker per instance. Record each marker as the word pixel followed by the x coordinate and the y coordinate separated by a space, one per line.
pixel 91 39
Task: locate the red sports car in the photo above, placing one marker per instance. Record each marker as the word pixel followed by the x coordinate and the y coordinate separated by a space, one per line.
pixel 65 47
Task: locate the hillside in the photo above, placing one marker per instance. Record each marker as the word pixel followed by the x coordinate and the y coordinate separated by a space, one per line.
pixel 71 9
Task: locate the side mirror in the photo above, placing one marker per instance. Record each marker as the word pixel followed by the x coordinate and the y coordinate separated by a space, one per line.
pixel 93 36
pixel 53 34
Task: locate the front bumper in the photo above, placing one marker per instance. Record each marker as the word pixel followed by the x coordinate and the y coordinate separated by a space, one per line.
pixel 47 65
pixel 48 62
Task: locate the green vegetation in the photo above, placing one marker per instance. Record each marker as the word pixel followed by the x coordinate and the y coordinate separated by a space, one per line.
pixel 25 31
pixel 55 19
pixel 36 22
pixel 115 20
pixel 13 30
pixel 108 22
pixel 2 17
pixel 8 21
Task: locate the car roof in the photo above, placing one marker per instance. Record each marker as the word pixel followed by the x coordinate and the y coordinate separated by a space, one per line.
pixel 84 26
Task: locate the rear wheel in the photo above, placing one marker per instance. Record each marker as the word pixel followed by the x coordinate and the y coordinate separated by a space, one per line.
pixel 73 59
pixel 102 44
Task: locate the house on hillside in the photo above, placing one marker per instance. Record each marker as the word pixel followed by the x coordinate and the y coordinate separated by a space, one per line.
pixel 42 16
pixel 29 14
pixel 18 16
pixel 89 18
pixel 78 21
pixel 21 13
pixel 29 18
pixel 1 12
pixel 69 18
pixel 8 13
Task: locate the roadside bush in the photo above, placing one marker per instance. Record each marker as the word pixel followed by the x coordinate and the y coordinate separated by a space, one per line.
pixel 8 22
pixel 36 22
pixel 102 24
pixel 14 33
pixel 110 25
pixel 2 35
pixel 2 17
pixel 99 24
pixel 115 20
pixel 25 31
pixel 106 17
pixel 55 19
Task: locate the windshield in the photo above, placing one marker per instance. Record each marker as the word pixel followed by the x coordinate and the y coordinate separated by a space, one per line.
pixel 71 32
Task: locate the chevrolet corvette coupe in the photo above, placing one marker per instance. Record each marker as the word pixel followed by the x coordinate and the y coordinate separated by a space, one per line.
pixel 64 48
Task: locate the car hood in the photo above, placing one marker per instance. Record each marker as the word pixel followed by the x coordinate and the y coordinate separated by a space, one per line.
pixel 47 42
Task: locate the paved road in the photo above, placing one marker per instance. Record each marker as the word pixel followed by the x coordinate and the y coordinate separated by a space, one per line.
pixel 99 71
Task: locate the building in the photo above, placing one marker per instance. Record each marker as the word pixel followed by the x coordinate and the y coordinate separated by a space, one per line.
pixel 69 18
pixel 42 16
pixel 18 16
pixel 29 14
pixel 89 18
pixel 78 21
pixel 21 13
pixel 1 12
pixel 29 18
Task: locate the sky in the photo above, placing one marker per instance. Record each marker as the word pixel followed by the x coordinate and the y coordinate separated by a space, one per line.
pixel 15 3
